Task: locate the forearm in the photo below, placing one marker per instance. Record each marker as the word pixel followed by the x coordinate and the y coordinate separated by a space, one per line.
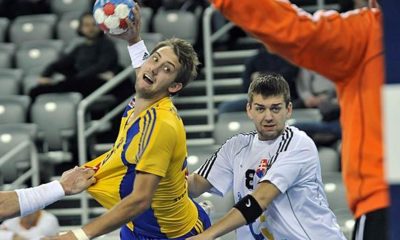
pixel 231 221
pixel 113 219
pixel 9 205
pixel 197 185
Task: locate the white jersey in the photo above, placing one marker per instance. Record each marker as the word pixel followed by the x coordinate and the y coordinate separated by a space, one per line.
pixel 291 163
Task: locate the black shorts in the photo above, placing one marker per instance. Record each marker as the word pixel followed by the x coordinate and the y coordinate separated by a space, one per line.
pixel 372 226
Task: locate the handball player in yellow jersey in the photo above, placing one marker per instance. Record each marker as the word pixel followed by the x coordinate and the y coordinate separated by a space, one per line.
pixel 142 179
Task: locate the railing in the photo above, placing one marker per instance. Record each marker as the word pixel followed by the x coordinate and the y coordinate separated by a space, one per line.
pixel 33 171
pixel 84 132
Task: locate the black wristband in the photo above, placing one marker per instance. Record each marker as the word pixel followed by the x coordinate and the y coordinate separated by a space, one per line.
pixel 249 208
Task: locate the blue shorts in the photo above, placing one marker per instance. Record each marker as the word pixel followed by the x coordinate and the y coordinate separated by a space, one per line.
pixel 127 234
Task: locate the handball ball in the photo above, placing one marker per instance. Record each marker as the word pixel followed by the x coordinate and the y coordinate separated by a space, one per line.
pixel 112 15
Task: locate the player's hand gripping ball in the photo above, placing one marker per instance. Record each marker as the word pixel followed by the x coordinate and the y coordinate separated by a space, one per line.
pixel 112 15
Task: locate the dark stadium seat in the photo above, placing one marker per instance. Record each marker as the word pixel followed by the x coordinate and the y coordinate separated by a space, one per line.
pixel 231 123
pixel 175 23
pixel 32 27
pixel 33 56
pixel 10 81
pixel 14 109
pixel 67 26
pixel 62 6
pixel 55 116
pixel 4 22
pixel 17 151
pixel 7 51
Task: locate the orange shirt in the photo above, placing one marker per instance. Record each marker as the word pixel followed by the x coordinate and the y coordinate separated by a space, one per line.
pixel 346 48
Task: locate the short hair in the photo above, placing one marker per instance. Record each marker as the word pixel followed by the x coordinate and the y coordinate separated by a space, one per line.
pixel 269 84
pixel 187 57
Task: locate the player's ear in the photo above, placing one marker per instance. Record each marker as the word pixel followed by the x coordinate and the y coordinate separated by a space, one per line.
pixel 248 108
pixel 175 87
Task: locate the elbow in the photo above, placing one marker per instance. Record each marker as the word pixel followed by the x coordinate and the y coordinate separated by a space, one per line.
pixel 144 204
pixel 193 193
pixel 138 206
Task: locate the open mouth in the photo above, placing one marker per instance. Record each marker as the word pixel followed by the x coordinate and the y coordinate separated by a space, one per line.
pixel 148 79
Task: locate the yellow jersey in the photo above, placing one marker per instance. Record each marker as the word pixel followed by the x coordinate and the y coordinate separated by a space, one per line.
pixel 154 142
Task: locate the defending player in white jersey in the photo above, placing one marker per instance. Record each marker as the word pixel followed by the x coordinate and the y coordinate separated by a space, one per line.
pixel 274 172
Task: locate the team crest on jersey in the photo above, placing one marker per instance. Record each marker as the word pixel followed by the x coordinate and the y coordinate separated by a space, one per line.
pixel 262 168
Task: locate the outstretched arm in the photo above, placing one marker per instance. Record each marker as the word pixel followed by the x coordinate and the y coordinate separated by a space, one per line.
pixel 131 206
pixel 244 212
pixel 25 201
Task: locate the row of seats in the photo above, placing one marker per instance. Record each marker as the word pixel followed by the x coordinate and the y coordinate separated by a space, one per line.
pixel 54 119
pixel 50 26
pixel 19 67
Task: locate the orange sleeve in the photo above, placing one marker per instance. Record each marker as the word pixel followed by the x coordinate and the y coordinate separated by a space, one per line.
pixel 327 42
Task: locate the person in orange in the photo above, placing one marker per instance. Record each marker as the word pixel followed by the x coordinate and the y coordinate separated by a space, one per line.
pixel 348 49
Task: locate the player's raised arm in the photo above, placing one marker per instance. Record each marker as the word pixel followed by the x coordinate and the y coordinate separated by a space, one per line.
pixel 137 50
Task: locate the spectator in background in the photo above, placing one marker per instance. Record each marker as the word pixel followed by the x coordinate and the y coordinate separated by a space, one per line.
pixel 314 89
pixel 33 226
pixel 263 62
pixel 318 92
pixel 86 67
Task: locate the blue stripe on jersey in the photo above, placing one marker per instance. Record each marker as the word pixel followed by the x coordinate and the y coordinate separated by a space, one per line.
pixel 153 110
pixel 149 122
pixel 146 224
pixel 131 133
pixel 126 186
pixel 130 105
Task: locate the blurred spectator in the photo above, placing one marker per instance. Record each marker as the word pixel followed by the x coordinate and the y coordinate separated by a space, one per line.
pixel 86 67
pixel 317 91
pixel 33 226
pixel 313 89
pixel 263 62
